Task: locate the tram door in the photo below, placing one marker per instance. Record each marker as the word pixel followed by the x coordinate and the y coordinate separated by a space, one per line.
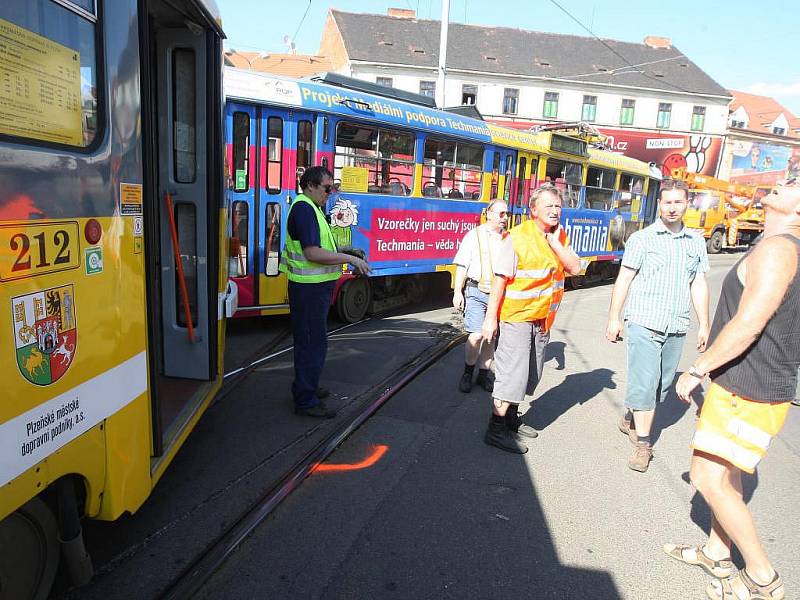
pixel 525 183
pixel 286 150
pixel 241 157
pixel 182 132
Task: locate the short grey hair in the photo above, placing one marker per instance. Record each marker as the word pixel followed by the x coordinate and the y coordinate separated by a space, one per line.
pixel 546 188
pixel 493 202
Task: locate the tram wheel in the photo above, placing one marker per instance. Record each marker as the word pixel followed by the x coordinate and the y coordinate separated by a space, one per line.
pixel 354 298
pixel 29 552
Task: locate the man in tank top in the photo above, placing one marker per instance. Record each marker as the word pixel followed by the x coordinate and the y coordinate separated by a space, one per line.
pixel 752 360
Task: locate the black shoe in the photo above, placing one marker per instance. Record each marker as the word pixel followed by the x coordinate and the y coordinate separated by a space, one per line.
pixel 320 411
pixel 323 393
pixel 517 427
pixel 465 385
pixel 499 436
pixel 486 381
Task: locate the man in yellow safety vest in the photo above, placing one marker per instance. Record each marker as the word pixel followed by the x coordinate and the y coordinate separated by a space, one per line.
pixel 526 293
pixel 312 265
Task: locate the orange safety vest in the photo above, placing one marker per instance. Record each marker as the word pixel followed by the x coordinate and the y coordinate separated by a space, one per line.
pixel 536 290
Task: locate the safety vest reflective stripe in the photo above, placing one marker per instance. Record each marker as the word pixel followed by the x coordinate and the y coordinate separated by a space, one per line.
pixel 527 294
pixel 289 255
pixel 533 273
pixel 484 248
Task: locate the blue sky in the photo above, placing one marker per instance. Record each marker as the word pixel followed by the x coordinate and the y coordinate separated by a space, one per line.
pixel 747 46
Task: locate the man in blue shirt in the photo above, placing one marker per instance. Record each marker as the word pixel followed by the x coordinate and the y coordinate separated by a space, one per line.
pixel 312 265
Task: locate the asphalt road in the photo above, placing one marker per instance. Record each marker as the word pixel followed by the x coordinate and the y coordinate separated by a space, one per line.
pixel 442 515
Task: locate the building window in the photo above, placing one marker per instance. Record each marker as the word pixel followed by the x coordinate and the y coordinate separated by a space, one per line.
pixel 469 94
pixel 779 130
pixel 427 88
pixel 589 112
pixel 664 114
pixel 698 118
pixel 737 124
pixel 626 112
pixel 384 81
pixel 510 101
pixel 550 109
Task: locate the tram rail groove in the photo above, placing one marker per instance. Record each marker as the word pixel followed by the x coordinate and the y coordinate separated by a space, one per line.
pixel 191 579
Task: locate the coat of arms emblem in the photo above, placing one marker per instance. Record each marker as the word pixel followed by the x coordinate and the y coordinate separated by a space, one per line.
pixel 45 333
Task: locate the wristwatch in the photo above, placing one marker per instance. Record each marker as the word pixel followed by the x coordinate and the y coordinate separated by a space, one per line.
pixel 695 373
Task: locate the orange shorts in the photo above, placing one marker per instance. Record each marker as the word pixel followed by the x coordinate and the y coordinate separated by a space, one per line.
pixel 736 429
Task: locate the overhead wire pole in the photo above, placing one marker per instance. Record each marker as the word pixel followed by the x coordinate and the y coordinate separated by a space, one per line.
pixel 440 95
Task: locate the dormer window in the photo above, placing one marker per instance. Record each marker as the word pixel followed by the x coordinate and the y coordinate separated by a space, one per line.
pixel 779 130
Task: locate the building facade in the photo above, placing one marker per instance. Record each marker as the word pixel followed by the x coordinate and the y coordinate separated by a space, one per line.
pixel 651 101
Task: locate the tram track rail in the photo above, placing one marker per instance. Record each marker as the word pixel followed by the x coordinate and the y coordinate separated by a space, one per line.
pixel 214 555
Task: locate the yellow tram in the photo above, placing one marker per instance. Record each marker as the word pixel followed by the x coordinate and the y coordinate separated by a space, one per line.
pixel 113 284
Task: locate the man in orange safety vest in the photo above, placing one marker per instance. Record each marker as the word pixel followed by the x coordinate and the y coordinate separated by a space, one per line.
pixel 526 293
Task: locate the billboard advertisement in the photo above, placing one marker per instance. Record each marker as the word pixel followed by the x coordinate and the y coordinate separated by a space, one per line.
pixel 763 164
pixel 697 153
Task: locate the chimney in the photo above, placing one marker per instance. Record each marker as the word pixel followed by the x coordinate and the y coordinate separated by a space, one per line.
pixel 655 41
pixel 402 13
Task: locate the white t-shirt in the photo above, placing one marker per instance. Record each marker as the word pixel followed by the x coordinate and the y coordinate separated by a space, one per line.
pixel 469 253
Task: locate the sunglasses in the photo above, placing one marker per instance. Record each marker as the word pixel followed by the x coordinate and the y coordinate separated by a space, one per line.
pixel 328 188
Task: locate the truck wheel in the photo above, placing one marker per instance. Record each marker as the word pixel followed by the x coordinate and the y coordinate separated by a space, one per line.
pixel 29 552
pixel 353 300
pixel 715 242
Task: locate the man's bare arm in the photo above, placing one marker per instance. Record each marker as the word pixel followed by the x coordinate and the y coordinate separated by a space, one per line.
pixel 699 292
pixel 618 295
pixel 493 307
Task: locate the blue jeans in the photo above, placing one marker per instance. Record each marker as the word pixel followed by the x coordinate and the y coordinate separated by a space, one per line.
pixel 652 361
pixel 309 304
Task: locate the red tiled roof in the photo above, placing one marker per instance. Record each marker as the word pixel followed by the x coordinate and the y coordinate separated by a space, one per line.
pixel 289 65
pixel 763 111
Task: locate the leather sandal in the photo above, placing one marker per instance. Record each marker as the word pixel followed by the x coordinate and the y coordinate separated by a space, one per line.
pixel 740 586
pixel 694 555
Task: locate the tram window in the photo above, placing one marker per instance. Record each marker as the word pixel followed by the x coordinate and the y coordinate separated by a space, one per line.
pixel 567 177
pixel 240 214
pixel 523 164
pixel 60 104
pixel 272 247
pixel 305 148
pixel 386 154
pixel 184 138
pixel 630 188
pixel 495 173
pixel 274 154
pixel 452 169
pixel 186 224
pixel 509 175
pixel 326 127
pixel 241 152
pixel 600 188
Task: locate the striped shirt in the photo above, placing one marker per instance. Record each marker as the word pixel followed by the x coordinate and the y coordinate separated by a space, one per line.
pixel 665 264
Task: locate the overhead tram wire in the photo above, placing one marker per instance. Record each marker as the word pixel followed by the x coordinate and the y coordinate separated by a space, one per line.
pixel 302 20
pixel 620 56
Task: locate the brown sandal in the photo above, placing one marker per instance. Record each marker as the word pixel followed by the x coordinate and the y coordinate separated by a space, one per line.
pixel 694 555
pixel 740 586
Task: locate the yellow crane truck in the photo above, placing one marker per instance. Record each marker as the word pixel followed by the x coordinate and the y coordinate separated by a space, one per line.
pixel 727 214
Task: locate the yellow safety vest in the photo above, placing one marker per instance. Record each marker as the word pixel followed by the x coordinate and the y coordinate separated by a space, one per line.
pixel 537 288
pixel 295 264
